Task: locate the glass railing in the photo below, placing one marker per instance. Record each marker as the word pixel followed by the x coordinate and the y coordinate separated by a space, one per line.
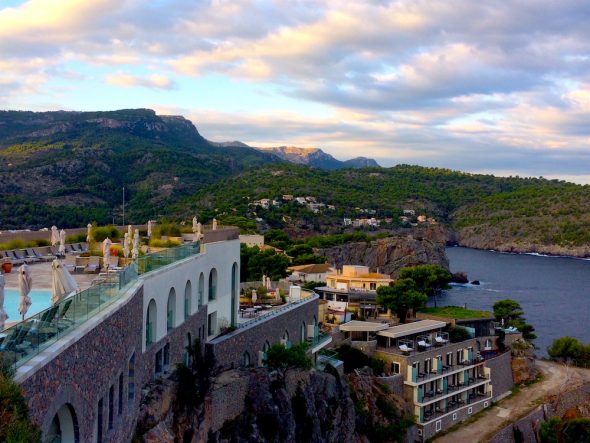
pixel 28 338
pixel 318 339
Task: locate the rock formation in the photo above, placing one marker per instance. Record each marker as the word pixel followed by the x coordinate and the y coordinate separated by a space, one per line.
pixel 389 255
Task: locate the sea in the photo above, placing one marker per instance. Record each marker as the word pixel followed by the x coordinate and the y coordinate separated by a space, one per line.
pixel 554 292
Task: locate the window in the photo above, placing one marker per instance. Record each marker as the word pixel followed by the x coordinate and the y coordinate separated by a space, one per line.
pixel 150 323
pixel 470 409
pixel 201 290
pixel 372 286
pixel 427 366
pixel 454 416
pixel 459 356
pixel 131 383
pixel 166 357
pixel 246 359
pixel 158 368
pixel 120 409
pixel 212 284
pixel 285 339
pixel 302 332
pixel 485 404
pixel 417 366
pixel 99 422
pixel 171 310
pixel 438 425
pixel 395 369
pixel 488 344
pixel 111 407
pixel 188 289
pixel 449 359
pixel 212 324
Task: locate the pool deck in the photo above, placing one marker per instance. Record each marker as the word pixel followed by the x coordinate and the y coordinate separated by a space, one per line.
pixel 41 273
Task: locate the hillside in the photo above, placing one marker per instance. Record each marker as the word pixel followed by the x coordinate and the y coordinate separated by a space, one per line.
pixel 482 211
pixel 69 167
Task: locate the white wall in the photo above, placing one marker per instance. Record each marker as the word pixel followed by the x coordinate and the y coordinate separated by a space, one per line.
pixel 157 284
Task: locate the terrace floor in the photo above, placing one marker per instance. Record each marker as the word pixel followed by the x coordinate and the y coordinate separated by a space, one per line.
pixel 41 273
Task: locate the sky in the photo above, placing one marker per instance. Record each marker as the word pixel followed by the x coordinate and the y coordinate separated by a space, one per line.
pixel 480 86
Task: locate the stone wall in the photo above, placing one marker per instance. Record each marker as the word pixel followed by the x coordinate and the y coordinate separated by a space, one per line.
pixel 229 349
pixel 501 376
pixel 394 382
pixel 525 428
pixel 84 372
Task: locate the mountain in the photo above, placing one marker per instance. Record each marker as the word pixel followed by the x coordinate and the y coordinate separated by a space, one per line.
pixel 69 168
pixel 314 157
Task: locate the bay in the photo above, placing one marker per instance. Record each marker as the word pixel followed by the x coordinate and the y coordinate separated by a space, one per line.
pixel 554 292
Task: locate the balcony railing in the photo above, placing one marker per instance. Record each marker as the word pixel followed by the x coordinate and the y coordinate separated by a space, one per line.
pixel 28 338
pixel 453 406
pixel 427 396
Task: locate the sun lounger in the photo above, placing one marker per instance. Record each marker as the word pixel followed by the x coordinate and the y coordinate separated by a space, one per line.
pixel 45 256
pixel 16 260
pixel 70 262
pixel 424 344
pixel 62 317
pixel 93 266
pixel 405 348
pixel 440 340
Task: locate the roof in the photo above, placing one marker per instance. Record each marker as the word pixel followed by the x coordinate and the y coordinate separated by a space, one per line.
pixel 312 268
pixel 363 326
pixel 412 328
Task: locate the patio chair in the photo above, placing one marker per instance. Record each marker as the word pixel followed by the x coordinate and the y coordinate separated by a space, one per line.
pixel 84 246
pixel 44 255
pixel 70 262
pixel 16 260
pixel 62 317
pixel 93 266
pixel 441 339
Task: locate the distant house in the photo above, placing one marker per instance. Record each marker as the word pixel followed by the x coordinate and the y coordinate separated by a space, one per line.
pixel 287 197
pixel 310 199
pixel 421 219
pixel 307 273
pixel 276 203
pixel 347 221
pixel 265 203
pixel 331 207
pixel 409 212
pixel 300 200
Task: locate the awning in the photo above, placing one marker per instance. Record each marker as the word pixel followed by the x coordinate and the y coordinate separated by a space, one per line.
pixel 411 328
pixel 363 326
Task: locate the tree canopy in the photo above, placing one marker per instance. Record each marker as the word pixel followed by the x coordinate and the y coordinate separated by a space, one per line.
pixel 256 262
pixel 281 359
pixel 571 350
pixel 511 313
pixel 402 296
pixel 429 279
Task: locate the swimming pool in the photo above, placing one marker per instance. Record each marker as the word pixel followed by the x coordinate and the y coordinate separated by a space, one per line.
pixel 40 300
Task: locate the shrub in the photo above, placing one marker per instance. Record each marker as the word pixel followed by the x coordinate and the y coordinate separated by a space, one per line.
pixel 99 233
pixel 458 334
pixel 167 229
pixel 156 243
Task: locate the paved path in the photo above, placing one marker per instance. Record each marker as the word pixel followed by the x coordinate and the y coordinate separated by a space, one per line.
pixel 557 378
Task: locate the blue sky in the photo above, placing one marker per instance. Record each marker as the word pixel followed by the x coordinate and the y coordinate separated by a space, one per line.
pixel 494 87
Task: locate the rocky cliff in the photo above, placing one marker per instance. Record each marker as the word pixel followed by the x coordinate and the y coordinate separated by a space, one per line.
pixel 389 255
pixel 251 405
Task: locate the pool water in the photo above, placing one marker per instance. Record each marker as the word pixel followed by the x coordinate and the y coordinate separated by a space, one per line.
pixel 40 300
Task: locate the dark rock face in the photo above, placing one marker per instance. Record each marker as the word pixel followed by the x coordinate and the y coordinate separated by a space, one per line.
pixel 391 254
pixel 460 277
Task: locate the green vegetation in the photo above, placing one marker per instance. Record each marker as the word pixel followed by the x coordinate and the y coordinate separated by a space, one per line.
pixel 21 244
pixel 99 233
pixel 510 313
pixel 455 312
pixel 254 263
pixel 355 358
pixel 280 358
pixel 15 426
pixel 556 430
pixel 570 350
pixel 458 334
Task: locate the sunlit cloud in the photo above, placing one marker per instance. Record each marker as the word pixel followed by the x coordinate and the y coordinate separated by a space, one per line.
pixel 458 84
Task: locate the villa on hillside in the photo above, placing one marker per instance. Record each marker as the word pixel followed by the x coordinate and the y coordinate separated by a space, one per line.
pixel 310 273
pixel 84 364
pixel 351 289
pixel 445 382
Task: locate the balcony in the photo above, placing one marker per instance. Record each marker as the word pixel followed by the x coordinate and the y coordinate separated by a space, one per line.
pixel 429 397
pixel 319 341
pixel 453 406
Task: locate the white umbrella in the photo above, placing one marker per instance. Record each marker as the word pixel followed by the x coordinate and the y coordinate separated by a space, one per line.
pixel 89 233
pixel 106 251
pixel 135 251
pixel 62 242
pixel 54 235
pixel 25 283
pixel 130 232
pixel 199 230
pixel 195 225
pixel 214 227
pixel 149 228
pixel 126 244
pixel 62 282
pixel 254 296
pixel 268 284
pixel 3 314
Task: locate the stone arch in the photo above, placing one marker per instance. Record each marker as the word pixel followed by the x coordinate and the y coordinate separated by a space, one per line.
pixel 246 360
pixel 171 310
pixel 64 425
pixel 212 284
pixel 151 323
pixel 302 332
pixel 188 289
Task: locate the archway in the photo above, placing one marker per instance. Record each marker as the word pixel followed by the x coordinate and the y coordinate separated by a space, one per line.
pixel 201 290
pixel 213 284
pixel 234 297
pixel 64 426
pixel 151 323
pixel 171 310
pixel 188 289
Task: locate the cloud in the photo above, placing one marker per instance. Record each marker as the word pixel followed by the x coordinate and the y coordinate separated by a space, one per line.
pixel 460 84
pixel 154 81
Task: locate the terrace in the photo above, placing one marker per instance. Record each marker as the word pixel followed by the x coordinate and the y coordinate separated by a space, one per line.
pixel 24 340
